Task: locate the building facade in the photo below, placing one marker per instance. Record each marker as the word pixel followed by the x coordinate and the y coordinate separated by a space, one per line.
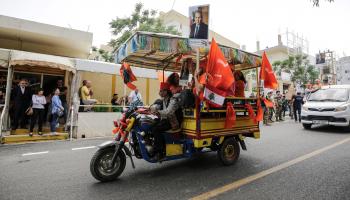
pixel 343 70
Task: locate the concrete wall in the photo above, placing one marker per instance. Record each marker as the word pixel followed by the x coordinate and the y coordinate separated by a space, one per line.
pixel 101 85
pixel 94 124
pixel 37 37
pixel 104 88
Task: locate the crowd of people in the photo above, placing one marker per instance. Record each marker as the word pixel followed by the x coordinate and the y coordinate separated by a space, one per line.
pixel 276 105
pixel 31 106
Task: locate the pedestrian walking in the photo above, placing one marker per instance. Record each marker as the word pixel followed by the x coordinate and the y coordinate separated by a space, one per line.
pixel 297 104
pixel 278 103
pixel 270 108
pixel 38 106
pixel 57 111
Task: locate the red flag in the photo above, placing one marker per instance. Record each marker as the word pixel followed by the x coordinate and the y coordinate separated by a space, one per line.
pixel 268 104
pixel 251 112
pixel 267 74
pixel 230 116
pixel 128 76
pixel 260 113
pixel 218 71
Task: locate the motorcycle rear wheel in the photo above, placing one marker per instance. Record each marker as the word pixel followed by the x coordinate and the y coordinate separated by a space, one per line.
pixel 100 165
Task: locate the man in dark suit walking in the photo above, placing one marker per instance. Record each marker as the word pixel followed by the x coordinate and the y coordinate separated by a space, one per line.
pixel 199 30
pixel 22 97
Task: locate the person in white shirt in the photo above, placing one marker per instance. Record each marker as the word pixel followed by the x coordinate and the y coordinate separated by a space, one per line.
pixel 135 96
pixel 38 101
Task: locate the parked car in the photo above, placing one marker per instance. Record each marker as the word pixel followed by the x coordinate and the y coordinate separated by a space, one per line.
pixel 329 105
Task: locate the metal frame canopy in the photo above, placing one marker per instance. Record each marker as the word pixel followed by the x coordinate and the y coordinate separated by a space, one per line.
pixel 159 51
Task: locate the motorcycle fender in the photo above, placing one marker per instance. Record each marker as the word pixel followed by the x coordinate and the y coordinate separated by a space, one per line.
pixel 107 144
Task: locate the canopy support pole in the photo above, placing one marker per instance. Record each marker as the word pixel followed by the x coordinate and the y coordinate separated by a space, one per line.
pixel 4 119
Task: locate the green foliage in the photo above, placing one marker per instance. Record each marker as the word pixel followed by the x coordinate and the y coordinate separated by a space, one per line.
pixel 299 67
pixel 140 20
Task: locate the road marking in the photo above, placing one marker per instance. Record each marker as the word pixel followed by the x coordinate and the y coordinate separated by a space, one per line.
pixel 36 153
pixel 249 179
pixel 81 148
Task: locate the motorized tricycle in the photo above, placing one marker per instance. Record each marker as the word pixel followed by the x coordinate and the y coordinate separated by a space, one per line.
pixel 203 128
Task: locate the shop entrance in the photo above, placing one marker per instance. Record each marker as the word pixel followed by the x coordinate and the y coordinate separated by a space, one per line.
pixel 50 83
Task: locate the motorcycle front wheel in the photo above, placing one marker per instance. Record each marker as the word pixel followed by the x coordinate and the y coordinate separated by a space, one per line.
pixel 101 165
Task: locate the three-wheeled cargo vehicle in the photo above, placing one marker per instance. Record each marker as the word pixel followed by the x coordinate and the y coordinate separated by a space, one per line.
pixel 203 128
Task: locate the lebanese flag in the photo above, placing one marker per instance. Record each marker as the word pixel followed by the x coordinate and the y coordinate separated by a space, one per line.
pixel 218 71
pixel 214 96
pixel 127 76
pixel 267 74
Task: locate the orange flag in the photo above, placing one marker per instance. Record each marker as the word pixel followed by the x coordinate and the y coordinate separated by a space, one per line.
pixel 267 74
pixel 230 116
pixel 251 112
pixel 218 70
pixel 260 113
pixel 268 104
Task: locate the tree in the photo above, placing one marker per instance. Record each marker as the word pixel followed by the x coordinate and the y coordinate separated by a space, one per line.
pixel 298 67
pixel 317 2
pixel 140 20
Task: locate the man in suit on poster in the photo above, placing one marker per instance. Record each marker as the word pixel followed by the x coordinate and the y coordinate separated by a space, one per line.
pixel 199 30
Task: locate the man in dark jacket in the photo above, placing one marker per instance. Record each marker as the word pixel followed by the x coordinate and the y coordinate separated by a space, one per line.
pixel 199 30
pixel 297 104
pixel 22 97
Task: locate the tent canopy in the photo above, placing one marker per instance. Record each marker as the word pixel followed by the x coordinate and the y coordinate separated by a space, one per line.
pixel 43 60
pixel 159 51
pixel 4 57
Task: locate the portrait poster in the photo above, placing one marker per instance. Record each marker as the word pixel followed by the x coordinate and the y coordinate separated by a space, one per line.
pixel 199 25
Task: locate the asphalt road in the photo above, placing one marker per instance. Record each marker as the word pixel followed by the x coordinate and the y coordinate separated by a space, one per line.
pixel 60 170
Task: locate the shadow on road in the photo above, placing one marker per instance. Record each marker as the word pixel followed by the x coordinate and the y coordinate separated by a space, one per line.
pixel 205 171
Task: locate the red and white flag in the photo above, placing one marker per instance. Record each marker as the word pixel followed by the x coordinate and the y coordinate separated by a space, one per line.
pixel 214 96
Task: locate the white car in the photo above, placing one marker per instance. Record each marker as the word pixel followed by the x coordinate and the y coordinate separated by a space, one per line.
pixel 329 105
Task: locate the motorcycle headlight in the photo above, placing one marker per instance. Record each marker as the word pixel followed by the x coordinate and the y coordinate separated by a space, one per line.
pixel 305 108
pixel 341 108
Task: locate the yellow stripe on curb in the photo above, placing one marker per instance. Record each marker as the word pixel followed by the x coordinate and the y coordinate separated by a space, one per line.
pixel 249 179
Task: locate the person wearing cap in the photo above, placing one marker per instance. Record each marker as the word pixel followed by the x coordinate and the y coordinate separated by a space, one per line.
pixel 164 123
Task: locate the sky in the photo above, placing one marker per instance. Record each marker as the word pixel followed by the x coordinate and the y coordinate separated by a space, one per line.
pixel 242 21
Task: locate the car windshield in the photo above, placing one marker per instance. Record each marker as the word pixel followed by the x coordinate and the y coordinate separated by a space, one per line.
pixel 330 94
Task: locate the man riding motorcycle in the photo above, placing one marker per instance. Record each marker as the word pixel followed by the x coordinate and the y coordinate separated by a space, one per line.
pixel 170 114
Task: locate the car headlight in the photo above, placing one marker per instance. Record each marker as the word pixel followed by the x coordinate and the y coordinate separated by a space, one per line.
pixel 305 108
pixel 341 108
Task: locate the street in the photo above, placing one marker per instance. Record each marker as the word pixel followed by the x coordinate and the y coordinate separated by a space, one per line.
pixel 60 170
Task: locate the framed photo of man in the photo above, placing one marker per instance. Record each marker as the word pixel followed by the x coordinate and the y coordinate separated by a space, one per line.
pixel 199 22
